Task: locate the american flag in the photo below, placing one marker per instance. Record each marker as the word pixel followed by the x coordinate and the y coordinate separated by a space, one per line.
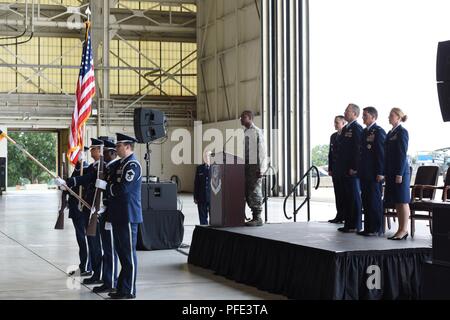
pixel 83 104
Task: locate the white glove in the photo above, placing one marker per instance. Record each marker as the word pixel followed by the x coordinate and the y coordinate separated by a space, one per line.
pixel 81 157
pixel 101 184
pixel 60 182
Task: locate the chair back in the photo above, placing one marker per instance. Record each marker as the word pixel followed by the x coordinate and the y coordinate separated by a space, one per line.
pixel 426 175
pixel 446 184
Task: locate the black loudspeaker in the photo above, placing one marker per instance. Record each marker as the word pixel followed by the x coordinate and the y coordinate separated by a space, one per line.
pixel 441 235
pixel 159 196
pixel 444 99
pixel 443 61
pixel 2 174
pixel 162 226
pixel 443 78
pixel 435 282
pixel 149 124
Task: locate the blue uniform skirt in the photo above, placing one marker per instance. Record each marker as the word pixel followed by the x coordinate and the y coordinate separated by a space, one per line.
pixel 395 192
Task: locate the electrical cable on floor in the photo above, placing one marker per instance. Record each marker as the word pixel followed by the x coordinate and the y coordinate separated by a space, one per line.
pixel 186 246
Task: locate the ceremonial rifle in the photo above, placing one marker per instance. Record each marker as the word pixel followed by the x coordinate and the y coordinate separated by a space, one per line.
pixel 96 205
pixel 60 221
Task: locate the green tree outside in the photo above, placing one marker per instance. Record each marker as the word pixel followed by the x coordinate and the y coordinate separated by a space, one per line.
pixel 319 155
pixel 42 146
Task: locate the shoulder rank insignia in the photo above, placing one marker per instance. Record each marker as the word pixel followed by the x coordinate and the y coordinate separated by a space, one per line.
pixel 129 176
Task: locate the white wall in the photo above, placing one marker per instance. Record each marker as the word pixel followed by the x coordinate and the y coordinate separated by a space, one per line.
pixel 3 145
pixel 233 147
pixel 161 164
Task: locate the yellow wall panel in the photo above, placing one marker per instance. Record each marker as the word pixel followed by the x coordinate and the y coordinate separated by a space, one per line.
pixel 129 80
pixel 50 54
pixel 7 74
pixel 190 8
pixel 27 55
pixel 150 5
pixel 69 80
pixel 164 57
pixel 128 4
pixel 114 62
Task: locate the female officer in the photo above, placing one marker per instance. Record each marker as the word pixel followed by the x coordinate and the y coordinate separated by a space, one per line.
pixel 397 171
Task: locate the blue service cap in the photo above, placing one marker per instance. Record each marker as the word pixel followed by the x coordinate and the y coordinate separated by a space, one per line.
pixel 123 138
pixel 110 145
pixel 96 143
pixel 108 142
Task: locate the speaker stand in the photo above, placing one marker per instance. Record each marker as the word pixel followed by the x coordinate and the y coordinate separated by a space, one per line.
pixel 147 160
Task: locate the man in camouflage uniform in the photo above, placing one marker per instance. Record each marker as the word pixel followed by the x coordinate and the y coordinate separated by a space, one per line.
pixel 255 163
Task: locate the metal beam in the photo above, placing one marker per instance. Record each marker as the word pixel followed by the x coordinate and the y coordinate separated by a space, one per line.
pixel 168 2
pixel 68 21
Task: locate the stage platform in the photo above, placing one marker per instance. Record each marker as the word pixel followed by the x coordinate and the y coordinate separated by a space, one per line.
pixel 313 260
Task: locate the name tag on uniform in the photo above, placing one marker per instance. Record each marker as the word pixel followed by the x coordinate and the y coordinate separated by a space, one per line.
pixel 393 138
pixel 108 226
pixel 348 134
pixel 371 138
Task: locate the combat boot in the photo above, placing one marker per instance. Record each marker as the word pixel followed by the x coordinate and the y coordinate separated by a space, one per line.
pixel 256 221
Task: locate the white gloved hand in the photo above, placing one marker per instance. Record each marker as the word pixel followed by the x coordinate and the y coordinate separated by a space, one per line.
pixel 60 182
pixel 81 157
pixel 101 184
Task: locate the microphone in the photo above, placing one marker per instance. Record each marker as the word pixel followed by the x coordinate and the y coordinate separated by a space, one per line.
pixel 213 154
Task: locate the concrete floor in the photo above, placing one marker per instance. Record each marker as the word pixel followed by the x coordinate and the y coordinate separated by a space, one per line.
pixel 34 258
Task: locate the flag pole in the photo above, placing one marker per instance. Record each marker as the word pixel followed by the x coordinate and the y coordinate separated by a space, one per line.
pixel 83 156
pixel 80 206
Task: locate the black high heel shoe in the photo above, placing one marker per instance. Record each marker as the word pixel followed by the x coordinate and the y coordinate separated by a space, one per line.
pixel 397 238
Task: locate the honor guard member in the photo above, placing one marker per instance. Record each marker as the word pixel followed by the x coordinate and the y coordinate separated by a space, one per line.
pixel 255 163
pixel 125 211
pixel 110 261
pixel 371 173
pixel 347 165
pixel 339 123
pixel 80 221
pixel 202 188
pixel 88 182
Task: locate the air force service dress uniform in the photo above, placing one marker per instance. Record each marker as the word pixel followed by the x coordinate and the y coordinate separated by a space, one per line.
pixel 396 164
pixel 348 158
pixel 125 213
pixel 94 242
pixel 110 260
pixel 80 221
pixel 371 166
pixel 338 183
pixel 202 192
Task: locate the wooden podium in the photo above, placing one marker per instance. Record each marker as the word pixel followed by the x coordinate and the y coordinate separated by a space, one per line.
pixel 227 191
